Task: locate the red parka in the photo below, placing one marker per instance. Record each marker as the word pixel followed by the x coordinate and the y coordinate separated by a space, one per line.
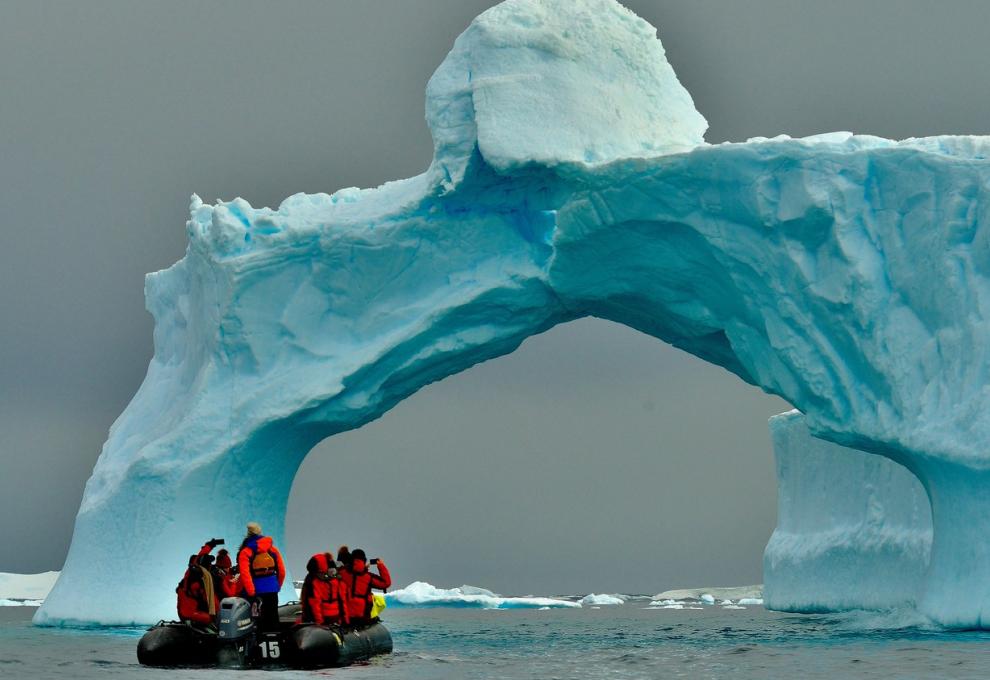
pixel 325 600
pixel 254 582
pixel 359 582
pixel 231 585
pixel 192 603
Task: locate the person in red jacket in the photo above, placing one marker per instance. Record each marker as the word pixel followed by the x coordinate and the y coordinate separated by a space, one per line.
pixel 226 580
pixel 262 573
pixel 360 581
pixel 197 600
pixel 324 594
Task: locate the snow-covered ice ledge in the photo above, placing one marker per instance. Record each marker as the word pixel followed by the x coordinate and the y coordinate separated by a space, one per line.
pixel 570 178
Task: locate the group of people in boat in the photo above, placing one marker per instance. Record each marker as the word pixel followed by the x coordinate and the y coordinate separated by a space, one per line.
pixel 337 591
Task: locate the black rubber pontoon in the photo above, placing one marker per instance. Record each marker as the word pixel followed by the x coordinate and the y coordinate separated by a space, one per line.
pixel 171 643
pixel 238 644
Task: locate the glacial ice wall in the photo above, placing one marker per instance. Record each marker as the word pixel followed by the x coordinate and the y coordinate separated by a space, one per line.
pixel 854 530
pixel 847 274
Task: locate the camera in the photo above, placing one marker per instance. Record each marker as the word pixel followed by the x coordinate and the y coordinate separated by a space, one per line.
pixel 374 561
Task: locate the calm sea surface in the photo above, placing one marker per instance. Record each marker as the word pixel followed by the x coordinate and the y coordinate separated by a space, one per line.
pixel 619 642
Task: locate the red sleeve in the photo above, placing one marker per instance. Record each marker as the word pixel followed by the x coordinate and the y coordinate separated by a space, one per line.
pixel 315 602
pixel 205 550
pixel 231 586
pixel 280 566
pixel 244 567
pixel 382 580
pixel 345 598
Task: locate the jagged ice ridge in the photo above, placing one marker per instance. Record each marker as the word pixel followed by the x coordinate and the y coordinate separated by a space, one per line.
pixel 847 274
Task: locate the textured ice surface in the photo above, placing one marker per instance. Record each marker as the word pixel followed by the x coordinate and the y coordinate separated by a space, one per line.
pixel 854 529
pixel 420 594
pixel 557 82
pixel 847 274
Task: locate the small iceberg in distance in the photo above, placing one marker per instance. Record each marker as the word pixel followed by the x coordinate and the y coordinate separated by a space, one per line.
pixel 738 597
pixel 25 590
pixel 599 600
pixel 752 594
pixel 5 602
pixel 421 594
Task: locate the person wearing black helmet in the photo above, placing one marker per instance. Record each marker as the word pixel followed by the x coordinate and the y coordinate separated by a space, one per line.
pixel 360 583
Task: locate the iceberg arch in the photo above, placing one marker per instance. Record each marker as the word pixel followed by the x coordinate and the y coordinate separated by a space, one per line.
pixel 570 178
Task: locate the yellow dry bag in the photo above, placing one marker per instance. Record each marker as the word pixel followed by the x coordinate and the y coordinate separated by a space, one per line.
pixel 377 605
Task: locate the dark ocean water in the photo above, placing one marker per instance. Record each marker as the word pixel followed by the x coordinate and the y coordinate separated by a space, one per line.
pixel 620 642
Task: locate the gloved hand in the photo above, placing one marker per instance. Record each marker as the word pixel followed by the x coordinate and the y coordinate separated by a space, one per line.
pixel 214 542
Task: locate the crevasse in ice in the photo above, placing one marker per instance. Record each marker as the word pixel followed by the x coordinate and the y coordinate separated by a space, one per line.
pixel 570 178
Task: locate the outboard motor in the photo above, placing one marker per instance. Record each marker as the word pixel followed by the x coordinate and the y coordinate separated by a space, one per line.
pixel 235 619
pixel 236 631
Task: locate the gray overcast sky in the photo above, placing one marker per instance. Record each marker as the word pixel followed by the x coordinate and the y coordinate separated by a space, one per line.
pixel 591 442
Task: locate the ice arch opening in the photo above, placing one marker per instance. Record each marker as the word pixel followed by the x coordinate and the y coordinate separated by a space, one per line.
pixel 570 178
pixel 589 437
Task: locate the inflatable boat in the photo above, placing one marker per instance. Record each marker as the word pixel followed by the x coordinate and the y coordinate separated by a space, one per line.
pixel 238 643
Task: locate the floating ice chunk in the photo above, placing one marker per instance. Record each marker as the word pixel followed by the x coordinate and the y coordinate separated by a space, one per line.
pixel 752 601
pixel 732 606
pixel 721 593
pixel 27 586
pixel 594 599
pixel 4 602
pixel 421 594
pixel 707 598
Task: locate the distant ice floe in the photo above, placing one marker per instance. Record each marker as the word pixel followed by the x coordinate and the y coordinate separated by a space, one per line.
pixel 420 594
pixel 691 598
pixel 25 590
pixel 599 600
pixel 4 602
pixel 720 593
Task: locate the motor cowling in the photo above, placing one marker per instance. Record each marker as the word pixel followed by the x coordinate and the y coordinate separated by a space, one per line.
pixel 235 619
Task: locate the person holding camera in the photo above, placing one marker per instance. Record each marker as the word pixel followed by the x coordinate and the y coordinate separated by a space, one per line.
pixel 226 579
pixel 198 600
pixel 360 582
